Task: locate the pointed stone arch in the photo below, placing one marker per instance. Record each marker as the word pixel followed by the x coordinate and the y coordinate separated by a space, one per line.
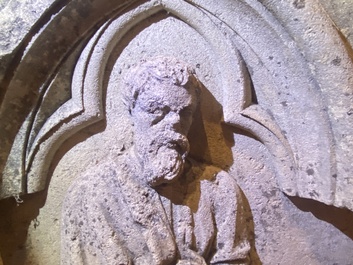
pixel 244 57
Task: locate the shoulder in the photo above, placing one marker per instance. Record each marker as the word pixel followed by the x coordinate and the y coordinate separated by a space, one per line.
pixel 94 177
pixel 94 185
pixel 94 198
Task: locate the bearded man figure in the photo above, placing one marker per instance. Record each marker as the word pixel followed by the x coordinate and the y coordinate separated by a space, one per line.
pixel 156 205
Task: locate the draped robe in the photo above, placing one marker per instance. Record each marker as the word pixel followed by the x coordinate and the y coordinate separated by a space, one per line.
pixel 110 218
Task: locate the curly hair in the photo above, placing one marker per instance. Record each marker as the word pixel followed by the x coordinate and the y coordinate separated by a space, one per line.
pixel 154 72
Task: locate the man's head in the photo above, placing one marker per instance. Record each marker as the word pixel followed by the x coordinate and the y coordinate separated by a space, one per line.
pixel 161 96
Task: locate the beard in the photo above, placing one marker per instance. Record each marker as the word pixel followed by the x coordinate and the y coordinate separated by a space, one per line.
pixel 165 158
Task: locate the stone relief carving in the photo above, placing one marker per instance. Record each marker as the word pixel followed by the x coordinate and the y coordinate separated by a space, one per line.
pixel 304 166
pixel 280 76
pixel 156 204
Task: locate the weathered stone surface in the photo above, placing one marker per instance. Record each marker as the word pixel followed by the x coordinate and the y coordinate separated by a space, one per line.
pixel 330 62
pixel 156 204
pixel 279 73
pixel 16 20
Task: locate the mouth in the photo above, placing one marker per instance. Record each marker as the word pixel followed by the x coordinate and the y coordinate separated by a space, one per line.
pixel 181 145
pixel 176 141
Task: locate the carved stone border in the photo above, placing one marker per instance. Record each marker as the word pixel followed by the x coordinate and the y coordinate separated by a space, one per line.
pixel 226 37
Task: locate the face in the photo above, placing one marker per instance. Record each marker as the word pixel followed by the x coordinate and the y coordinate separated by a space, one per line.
pixel 162 118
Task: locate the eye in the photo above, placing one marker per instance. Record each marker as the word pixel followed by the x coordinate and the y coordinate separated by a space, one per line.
pixel 159 113
pixel 152 107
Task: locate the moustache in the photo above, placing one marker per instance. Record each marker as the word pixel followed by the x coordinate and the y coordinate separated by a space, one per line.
pixel 172 140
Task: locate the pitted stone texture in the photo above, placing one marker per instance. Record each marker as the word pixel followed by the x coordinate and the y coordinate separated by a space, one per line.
pixel 341 13
pixel 156 205
pixel 98 216
pixel 286 229
pixel 305 167
pixel 331 65
pixel 279 224
pixel 16 20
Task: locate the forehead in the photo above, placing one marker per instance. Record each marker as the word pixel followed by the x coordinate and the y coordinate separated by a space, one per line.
pixel 173 96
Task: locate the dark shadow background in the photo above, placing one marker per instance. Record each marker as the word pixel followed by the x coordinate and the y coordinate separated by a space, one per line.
pixel 17 217
pixel 342 219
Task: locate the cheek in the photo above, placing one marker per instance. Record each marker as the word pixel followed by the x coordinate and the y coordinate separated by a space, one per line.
pixel 143 131
pixel 141 121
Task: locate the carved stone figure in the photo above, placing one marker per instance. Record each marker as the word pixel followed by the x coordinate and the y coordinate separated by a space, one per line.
pixel 155 204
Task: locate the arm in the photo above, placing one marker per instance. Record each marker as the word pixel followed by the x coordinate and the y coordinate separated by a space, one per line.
pixel 88 236
pixel 232 239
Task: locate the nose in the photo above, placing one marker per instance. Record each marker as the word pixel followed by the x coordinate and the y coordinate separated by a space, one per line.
pixel 173 120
